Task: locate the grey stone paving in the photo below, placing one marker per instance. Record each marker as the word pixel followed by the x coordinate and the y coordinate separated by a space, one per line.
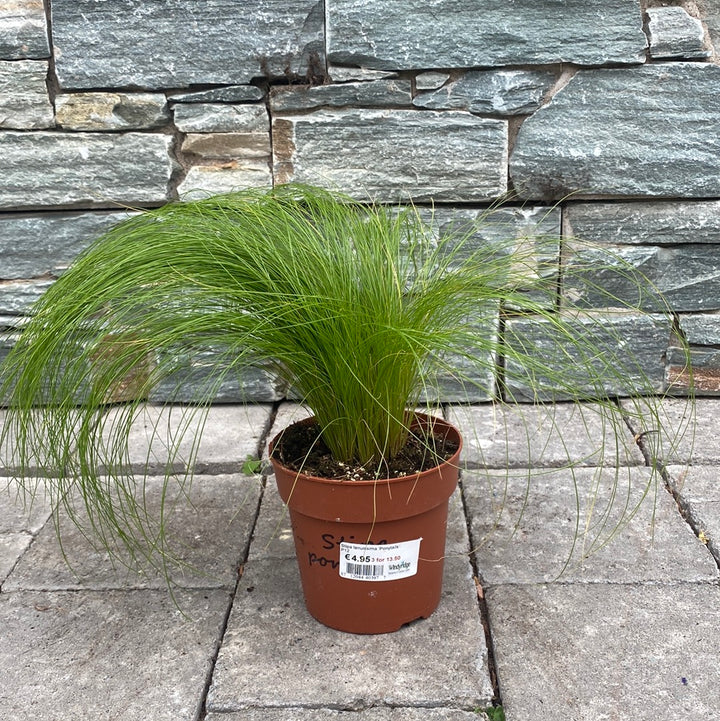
pixel 18 525
pixel 12 547
pixel 275 654
pixel 578 527
pixel 680 432
pixel 232 433
pixel 90 655
pixel 630 632
pixel 214 550
pixel 527 436
pixel 602 652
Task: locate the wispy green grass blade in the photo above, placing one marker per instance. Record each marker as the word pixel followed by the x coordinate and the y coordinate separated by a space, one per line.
pixel 358 309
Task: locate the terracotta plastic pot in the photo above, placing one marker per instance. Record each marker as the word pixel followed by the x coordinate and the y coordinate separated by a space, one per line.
pixel 371 553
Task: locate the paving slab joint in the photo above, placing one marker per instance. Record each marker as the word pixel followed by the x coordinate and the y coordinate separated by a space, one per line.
pixel 685 511
pixel 231 602
pixel 641 439
pixel 683 507
pixel 10 570
pixel 339 710
pixel 240 570
pixel 571 585
pixel 263 441
pixel 482 604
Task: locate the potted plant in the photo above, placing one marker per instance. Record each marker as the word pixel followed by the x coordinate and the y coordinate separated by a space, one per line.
pixel 362 311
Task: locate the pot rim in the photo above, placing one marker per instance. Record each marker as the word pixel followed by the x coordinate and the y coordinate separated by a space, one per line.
pixel 423 418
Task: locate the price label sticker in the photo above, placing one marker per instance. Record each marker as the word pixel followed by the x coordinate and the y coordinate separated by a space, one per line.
pixel 389 562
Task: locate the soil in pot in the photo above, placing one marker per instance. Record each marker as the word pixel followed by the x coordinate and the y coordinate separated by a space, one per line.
pixel 418 455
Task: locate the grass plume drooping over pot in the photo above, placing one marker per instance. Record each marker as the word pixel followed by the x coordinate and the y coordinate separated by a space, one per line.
pixel 360 310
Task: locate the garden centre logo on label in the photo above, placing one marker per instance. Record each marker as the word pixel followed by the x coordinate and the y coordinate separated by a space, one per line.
pixel 364 562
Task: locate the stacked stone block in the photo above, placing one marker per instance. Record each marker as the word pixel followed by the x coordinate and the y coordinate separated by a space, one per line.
pixel 601 116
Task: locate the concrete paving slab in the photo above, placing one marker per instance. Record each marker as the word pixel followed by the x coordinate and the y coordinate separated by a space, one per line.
pixel 209 529
pixel 596 646
pixel 273 533
pixel 18 524
pixel 272 537
pixel 457 542
pixel 522 436
pixel 12 547
pixel 597 652
pixel 689 432
pixel 698 490
pixel 371 714
pixel 22 514
pixel 275 654
pixel 230 434
pixel 523 527
pixel 88 656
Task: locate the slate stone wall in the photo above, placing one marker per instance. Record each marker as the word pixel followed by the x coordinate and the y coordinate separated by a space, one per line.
pixel 599 120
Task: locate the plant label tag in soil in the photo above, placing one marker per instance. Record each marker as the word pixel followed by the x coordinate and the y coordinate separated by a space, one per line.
pixel 389 562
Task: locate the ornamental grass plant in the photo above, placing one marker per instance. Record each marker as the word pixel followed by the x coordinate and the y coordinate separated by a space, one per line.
pixel 362 311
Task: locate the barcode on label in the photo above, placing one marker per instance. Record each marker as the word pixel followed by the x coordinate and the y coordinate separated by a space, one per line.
pixel 364 570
